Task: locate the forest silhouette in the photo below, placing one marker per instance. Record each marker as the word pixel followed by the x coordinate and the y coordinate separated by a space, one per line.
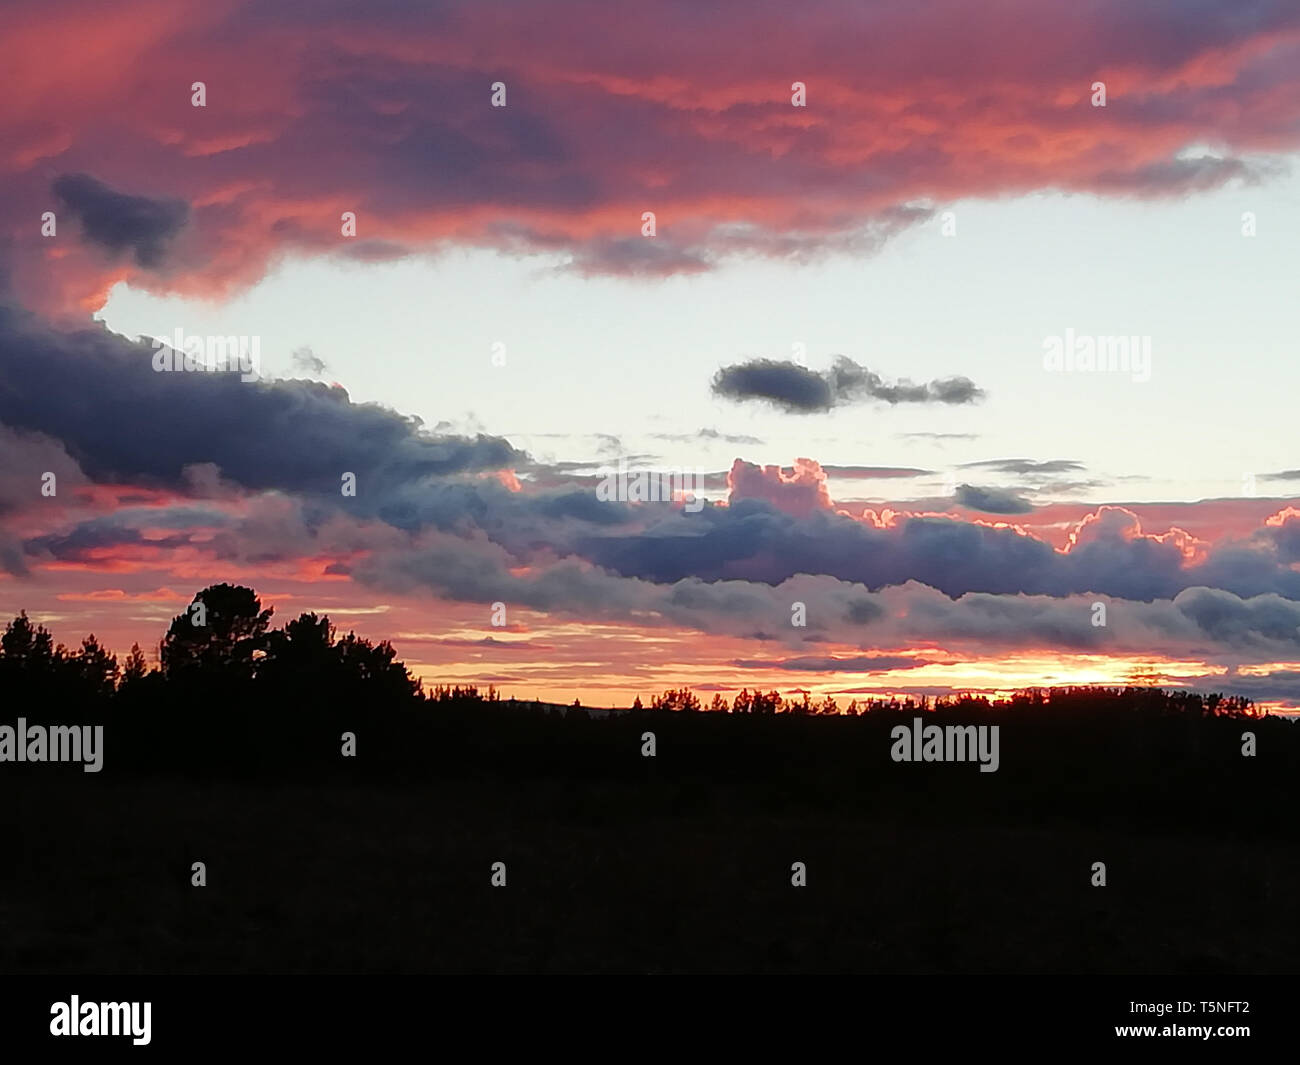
pixel 234 695
pixel 233 751
pixel 223 646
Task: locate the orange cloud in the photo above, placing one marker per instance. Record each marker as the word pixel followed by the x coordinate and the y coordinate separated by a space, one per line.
pixel 799 492
pixel 313 111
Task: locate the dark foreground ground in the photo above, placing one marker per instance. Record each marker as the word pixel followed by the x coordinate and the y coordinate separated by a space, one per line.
pixel 616 863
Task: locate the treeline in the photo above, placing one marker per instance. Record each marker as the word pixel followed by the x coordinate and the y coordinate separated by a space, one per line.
pixel 1087 698
pixel 223 647
pixel 233 697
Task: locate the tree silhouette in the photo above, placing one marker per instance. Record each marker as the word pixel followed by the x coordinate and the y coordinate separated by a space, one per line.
pixel 218 638
pixel 136 667
pixel 678 699
pixel 27 648
pixel 33 671
pixel 302 655
pixel 95 668
pixel 376 667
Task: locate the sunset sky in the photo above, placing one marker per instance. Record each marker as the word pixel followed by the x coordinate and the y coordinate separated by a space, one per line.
pixel 840 321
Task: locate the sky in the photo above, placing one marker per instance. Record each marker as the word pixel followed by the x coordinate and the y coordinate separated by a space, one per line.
pixel 878 232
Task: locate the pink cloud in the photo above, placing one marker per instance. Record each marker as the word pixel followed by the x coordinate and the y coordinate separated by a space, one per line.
pixel 799 492
pixel 315 111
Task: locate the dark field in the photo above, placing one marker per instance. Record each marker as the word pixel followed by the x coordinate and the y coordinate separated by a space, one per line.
pixel 681 863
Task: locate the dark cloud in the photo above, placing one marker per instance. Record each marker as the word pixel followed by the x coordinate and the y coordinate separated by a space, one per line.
pixel 1177 175
pixel 709 434
pixel 752 540
pixel 374 251
pixel 119 222
pixel 784 384
pixel 852 383
pixel 635 256
pixel 1198 620
pixel 954 390
pixel 1231 621
pixel 863 611
pixel 298 437
pixel 99 395
pixel 1026 467
pixel 801 247
pixel 866 473
pixel 796 389
pixel 1278 685
pixel 991 500
pixel 1059 487
pixel 938 436
pixel 1041 475
pixel 699 246
pixel 1286 537
pixel 125 527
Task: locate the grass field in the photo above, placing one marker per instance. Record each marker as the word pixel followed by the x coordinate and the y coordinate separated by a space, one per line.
pixel 681 863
